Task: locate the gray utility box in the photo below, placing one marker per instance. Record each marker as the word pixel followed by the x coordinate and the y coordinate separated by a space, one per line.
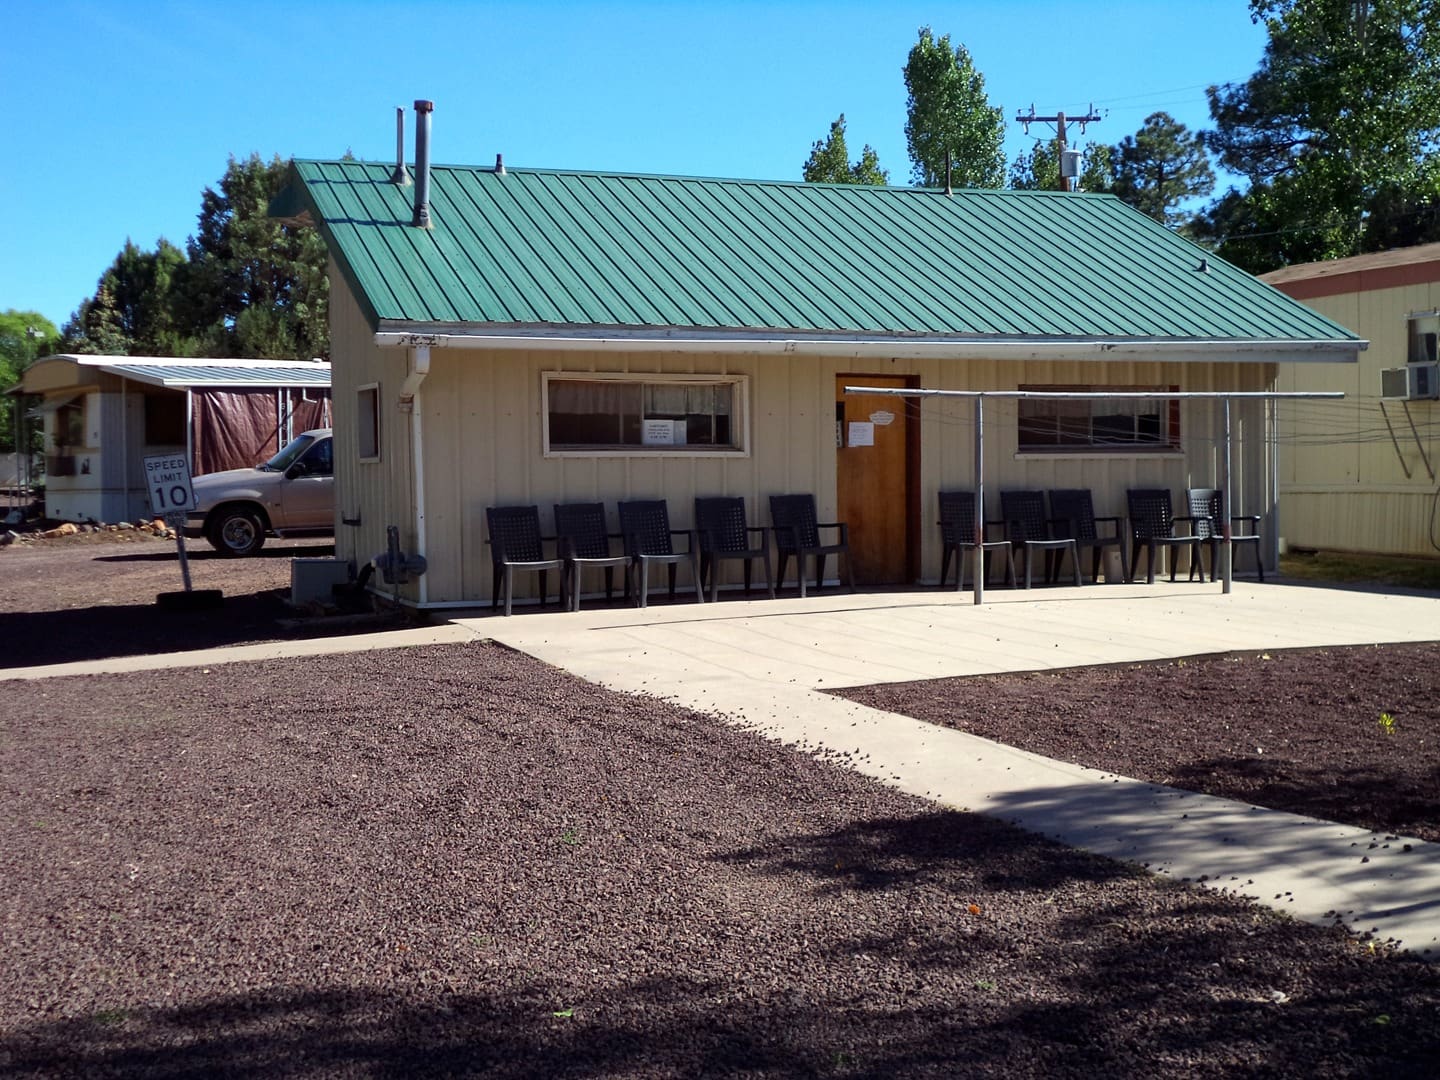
pixel 313 580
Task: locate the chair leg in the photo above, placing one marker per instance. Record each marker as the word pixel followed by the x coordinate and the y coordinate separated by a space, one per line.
pixel 945 564
pixel 747 578
pixel 780 573
pixel 695 569
pixel 1074 550
pixel 609 583
pixel 671 568
pixel 1259 564
pixel 1010 567
pixel 495 588
pixel 1134 560
pixel 799 573
pixel 642 583
pixel 849 570
pixel 509 588
pixel 820 572
pixel 1150 563
pixel 1029 561
pixel 765 561
pixel 1125 564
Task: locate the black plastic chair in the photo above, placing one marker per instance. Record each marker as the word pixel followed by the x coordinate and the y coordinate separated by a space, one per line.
pixel 797 533
pixel 1028 531
pixel 645 525
pixel 957 538
pixel 583 542
pixel 1152 523
pixel 516 544
pixel 1072 514
pixel 1207 511
pixel 720 523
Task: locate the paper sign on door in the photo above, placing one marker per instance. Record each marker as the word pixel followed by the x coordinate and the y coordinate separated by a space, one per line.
pixel 862 433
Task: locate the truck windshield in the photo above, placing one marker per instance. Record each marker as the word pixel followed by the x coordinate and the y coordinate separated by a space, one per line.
pixel 287 457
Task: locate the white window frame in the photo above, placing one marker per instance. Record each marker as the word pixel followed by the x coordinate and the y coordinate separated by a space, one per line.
pixel 360 392
pixel 739 420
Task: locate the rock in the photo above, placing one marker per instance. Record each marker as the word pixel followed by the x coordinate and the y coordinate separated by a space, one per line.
pixel 123 526
pixel 67 529
pixel 8 537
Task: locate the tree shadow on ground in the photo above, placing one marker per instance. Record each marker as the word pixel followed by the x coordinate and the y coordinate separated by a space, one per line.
pixel 37 638
pixel 1382 800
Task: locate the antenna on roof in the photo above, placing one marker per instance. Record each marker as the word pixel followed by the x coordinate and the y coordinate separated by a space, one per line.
pixel 948 189
pixel 400 177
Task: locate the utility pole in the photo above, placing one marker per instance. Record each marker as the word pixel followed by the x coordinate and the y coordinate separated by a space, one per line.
pixel 1059 120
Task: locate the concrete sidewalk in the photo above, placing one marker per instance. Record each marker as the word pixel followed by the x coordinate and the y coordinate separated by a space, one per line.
pixel 763 662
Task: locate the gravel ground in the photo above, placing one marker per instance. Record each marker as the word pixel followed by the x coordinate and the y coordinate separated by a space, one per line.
pixel 456 860
pixel 93 596
pixel 1298 730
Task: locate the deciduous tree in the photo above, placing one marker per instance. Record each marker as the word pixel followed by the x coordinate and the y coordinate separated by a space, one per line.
pixel 24 335
pixel 829 162
pixel 947 111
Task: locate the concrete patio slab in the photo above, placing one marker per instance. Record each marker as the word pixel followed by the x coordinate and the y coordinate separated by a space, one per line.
pixel 763 663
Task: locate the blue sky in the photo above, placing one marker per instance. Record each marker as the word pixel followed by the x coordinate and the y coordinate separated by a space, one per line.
pixel 120 114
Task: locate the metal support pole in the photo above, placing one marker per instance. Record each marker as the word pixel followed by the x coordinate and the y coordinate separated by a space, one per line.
pixel 1225 506
pixel 1272 440
pixel 979 500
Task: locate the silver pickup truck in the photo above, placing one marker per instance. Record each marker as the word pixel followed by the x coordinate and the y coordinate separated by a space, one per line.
pixel 292 494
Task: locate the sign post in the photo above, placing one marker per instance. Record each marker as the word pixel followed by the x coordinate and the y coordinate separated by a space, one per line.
pixel 172 497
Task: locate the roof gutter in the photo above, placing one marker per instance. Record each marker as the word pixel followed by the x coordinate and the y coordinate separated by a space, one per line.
pixel 764 343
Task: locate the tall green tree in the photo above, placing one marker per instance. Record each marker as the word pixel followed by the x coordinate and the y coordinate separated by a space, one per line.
pixel 947 111
pixel 1336 132
pixel 256 286
pixel 24 336
pixel 137 307
pixel 1039 168
pixel 1162 166
pixel 829 162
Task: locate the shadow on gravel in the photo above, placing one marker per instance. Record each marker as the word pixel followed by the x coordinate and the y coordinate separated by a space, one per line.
pixel 1405 804
pixel 38 638
pixel 677 1026
pixel 206 554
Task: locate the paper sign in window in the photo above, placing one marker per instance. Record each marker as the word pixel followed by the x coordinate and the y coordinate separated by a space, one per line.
pixel 658 433
pixel 862 433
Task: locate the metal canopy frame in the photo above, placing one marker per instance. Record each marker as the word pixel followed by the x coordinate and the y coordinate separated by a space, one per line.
pixel 979 396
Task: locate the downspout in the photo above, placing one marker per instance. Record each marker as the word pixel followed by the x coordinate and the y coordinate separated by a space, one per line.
pixel 410 402
pixel 124 452
pixel 190 428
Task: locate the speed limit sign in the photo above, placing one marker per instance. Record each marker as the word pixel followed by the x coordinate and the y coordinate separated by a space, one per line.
pixel 167 479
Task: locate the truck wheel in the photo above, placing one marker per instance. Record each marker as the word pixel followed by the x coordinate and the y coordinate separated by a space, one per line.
pixel 236 531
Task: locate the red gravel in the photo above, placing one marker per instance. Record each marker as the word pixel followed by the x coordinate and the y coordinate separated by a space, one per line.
pixel 1298 730
pixel 458 860
pixel 93 596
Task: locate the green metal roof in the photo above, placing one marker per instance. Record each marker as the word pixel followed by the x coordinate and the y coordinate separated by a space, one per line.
pixel 543 248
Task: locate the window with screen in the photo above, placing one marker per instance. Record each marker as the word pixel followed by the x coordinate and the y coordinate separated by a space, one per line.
pixel 644 414
pixel 367 423
pixel 1122 425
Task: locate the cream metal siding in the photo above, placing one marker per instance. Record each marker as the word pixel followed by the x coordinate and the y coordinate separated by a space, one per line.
pixel 482 417
pixel 379 493
pixel 1350 492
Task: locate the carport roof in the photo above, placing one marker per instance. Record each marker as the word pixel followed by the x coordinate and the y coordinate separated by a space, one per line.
pixel 540 250
pixel 186 373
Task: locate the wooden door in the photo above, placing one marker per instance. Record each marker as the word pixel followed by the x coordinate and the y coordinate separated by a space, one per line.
pixel 875 444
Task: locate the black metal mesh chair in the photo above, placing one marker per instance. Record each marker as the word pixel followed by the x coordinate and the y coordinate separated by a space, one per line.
pixel 1027 529
pixel 720 523
pixel 645 525
pixel 1207 511
pixel 516 544
pixel 797 533
pixel 957 538
pixel 1152 523
pixel 583 542
pixel 1072 514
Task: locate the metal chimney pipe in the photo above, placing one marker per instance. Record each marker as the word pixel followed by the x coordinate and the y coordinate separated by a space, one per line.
pixel 500 164
pixel 423 109
pixel 401 176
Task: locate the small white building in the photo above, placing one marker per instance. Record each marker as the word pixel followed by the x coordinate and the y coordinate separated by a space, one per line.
pixel 103 414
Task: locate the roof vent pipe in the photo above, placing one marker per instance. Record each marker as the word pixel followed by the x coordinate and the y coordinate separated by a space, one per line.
pixel 401 176
pixel 423 109
pixel 499 164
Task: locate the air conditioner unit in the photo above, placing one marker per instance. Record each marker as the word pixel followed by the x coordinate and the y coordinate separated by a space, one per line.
pixel 1413 382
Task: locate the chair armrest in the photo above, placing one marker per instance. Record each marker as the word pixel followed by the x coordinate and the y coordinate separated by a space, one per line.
pixel 1115 520
pixel 842 526
pixel 985 532
pixel 1254 519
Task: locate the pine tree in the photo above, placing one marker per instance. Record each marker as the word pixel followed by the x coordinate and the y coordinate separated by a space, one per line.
pixel 829 162
pixel 1161 166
